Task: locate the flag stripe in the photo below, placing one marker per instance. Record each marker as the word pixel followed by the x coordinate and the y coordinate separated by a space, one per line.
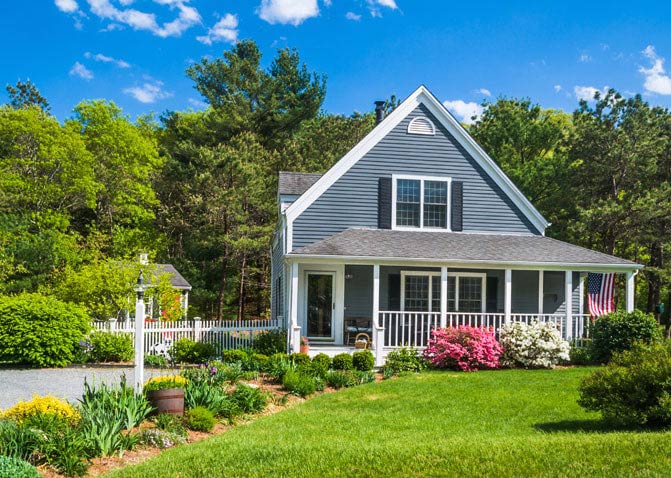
pixel 600 293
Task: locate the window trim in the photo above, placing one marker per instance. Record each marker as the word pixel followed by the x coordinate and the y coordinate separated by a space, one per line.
pixel 421 179
pixel 456 275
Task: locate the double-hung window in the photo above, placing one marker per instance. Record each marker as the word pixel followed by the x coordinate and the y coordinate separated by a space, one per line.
pixel 421 202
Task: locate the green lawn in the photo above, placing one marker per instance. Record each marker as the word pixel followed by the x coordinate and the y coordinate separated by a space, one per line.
pixel 501 424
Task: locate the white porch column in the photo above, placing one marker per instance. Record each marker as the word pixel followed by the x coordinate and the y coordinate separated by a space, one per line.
pixel 541 290
pixel 508 296
pixel 630 291
pixel 185 305
pixel 378 330
pixel 581 290
pixel 568 302
pixel 443 297
pixel 294 329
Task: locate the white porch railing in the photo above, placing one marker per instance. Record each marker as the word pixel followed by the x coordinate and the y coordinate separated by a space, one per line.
pixel 224 334
pixel 413 329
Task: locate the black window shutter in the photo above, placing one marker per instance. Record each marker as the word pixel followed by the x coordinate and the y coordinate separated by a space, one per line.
pixel 384 203
pixel 457 211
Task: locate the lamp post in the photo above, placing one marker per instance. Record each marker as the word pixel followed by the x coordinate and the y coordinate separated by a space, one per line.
pixel 139 334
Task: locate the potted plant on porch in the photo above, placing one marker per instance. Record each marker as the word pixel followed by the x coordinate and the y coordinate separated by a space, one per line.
pixel 305 346
pixel 166 393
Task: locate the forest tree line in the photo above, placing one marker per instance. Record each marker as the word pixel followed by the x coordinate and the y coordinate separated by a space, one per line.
pixel 198 188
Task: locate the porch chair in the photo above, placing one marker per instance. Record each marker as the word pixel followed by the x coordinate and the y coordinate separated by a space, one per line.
pixel 355 326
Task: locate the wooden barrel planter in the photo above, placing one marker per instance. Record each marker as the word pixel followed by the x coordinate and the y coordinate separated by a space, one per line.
pixel 170 400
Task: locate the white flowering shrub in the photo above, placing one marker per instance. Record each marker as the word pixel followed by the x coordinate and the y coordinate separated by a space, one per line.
pixel 534 345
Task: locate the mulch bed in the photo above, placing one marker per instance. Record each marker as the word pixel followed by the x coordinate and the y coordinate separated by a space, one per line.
pixel 279 401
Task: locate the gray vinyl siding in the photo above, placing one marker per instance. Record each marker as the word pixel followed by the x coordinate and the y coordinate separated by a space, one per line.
pixel 352 201
pixel 524 292
pixel 553 293
pixel 277 271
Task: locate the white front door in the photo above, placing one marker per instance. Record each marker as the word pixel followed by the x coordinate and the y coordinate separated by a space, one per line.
pixel 320 305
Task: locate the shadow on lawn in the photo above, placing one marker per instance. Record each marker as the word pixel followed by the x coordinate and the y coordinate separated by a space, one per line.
pixel 584 426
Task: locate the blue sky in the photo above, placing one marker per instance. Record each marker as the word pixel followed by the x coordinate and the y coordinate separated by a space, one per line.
pixel 134 52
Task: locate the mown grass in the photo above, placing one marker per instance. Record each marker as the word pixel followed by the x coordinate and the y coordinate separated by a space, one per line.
pixel 509 423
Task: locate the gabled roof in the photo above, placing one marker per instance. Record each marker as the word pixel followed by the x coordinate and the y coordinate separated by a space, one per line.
pixel 176 279
pixel 296 183
pixel 462 248
pixel 420 96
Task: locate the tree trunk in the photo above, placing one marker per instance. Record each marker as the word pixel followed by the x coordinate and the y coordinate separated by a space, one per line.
pixel 241 298
pixel 221 299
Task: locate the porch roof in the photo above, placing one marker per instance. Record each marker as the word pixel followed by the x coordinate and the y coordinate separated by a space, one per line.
pixel 459 248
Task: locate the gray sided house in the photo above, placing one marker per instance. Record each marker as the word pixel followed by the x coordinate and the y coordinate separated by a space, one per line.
pixel 416 227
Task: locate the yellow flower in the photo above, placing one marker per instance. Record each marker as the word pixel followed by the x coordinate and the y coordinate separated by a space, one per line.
pixel 163 382
pixel 47 405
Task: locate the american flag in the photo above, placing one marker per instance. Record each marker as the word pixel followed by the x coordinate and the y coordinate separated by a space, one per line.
pixel 600 293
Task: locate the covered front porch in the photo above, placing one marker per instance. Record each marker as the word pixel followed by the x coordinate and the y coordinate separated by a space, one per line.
pixel 398 303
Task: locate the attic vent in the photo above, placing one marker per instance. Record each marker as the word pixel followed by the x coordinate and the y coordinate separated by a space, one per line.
pixel 421 126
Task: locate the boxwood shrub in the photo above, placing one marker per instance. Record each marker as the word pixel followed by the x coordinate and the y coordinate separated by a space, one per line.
pixel 190 351
pixel 300 384
pixel 619 331
pixel 343 361
pixel 16 468
pixel 200 419
pixel 364 361
pixel 40 331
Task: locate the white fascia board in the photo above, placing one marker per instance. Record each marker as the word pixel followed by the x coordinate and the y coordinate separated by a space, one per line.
pixel 420 96
pixel 472 264
pixel 486 162
pixel 354 155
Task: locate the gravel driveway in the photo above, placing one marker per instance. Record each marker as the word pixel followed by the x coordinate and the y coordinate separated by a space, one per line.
pixel 67 383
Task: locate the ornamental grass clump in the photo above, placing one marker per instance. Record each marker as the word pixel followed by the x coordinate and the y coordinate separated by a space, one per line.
pixel 533 345
pixel 463 348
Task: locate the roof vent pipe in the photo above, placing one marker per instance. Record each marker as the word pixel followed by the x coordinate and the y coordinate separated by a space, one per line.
pixel 379 111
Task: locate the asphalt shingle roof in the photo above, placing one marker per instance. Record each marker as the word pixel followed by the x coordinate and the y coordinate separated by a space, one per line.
pixel 176 279
pixel 456 247
pixel 296 183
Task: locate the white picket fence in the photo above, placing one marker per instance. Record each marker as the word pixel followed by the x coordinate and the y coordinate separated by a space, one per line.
pixel 224 334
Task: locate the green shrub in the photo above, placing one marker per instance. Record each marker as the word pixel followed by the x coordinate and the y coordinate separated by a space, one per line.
pixel 270 342
pixel 299 359
pixel 40 331
pixel 343 361
pixel 364 361
pixel 156 361
pixel 256 362
pixel 278 365
pixel 169 423
pixel 108 347
pixel 341 378
pixel 619 331
pixel 299 383
pixel 67 449
pixel 233 355
pixel 634 389
pixel 249 399
pixel 212 397
pixel 16 468
pixel 403 360
pixel 199 419
pixel 321 363
pixel 581 355
pixel 190 351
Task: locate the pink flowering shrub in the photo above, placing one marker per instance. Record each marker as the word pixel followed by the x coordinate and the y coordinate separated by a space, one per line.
pixel 464 348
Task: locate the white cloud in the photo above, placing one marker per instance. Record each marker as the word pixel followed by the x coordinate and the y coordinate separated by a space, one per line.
pixel 584 58
pixel 67 6
pixel 464 111
pixel 374 6
pixel 656 79
pixel 352 16
pixel 198 104
pixel 485 91
pixel 292 12
pixel 149 92
pixel 225 30
pixel 186 16
pixel 587 92
pixel 557 88
pixel 328 3
pixel 81 71
pixel 107 59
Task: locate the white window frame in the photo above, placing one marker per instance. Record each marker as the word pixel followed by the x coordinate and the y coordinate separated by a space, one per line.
pixel 456 275
pixel 421 179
